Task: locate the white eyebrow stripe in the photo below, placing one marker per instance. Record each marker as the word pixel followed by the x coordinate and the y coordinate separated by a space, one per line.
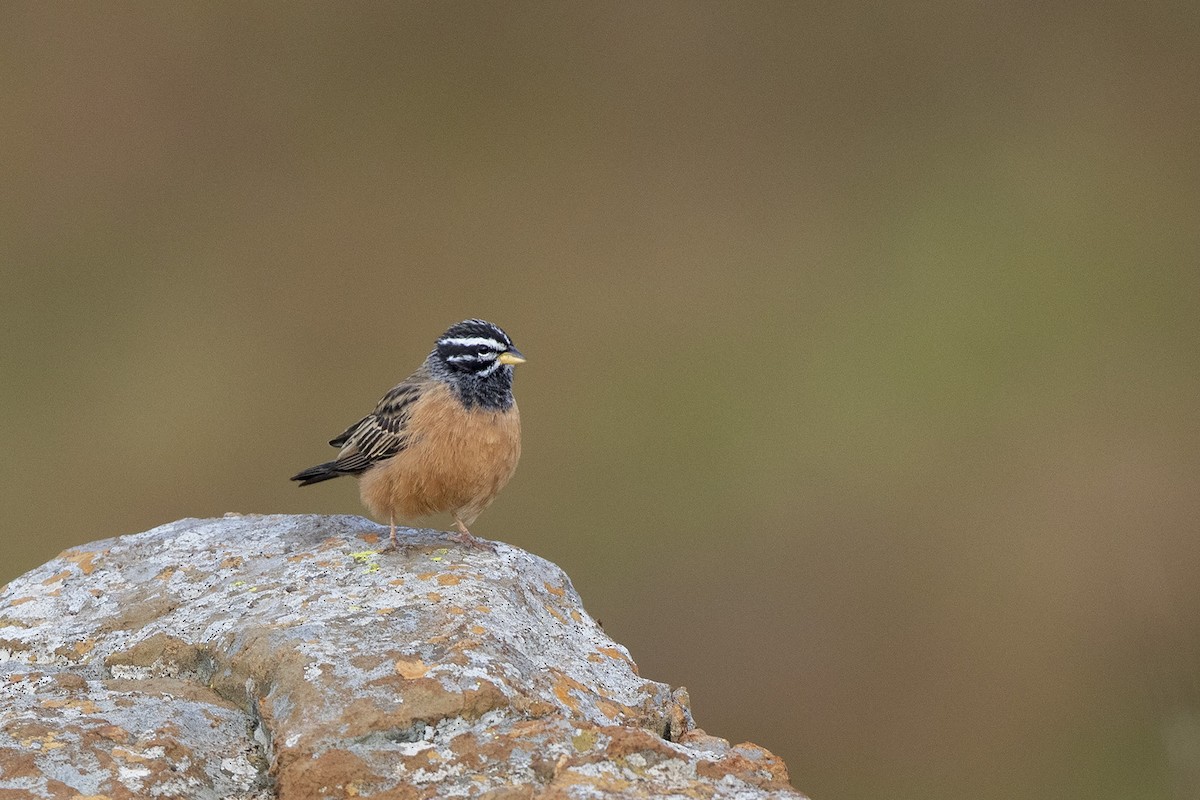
pixel 474 357
pixel 474 341
pixel 483 373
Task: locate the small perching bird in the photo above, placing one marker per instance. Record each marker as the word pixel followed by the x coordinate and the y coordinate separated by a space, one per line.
pixel 446 438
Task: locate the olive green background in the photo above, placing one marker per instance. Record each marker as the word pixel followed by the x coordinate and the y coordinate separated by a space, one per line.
pixel 863 341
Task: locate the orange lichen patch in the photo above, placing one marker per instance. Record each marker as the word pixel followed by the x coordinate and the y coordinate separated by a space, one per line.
pixel 614 654
pixel 298 557
pixel 610 709
pixel 555 613
pixel 434 597
pixel 463 644
pixel 47 742
pixel 21 601
pixel 55 593
pixel 82 560
pixel 456 610
pixel 233 562
pixel 371 538
pixel 396 582
pixel 764 761
pixel 383 612
pixel 595 658
pixel 575 615
pixel 557 591
pixel 96 592
pixel 84 647
pixel 126 754
pixel 165 574
pixel 26 731
pixel 627 741
pixel 410 668
pixel 56 577
pixel 449 579
pixel 424 576
pixel 83 706
pixel 478 630
pixel 331 542
pixel 602 784
pixel 563 687
pixel 482 609
pixel 762 769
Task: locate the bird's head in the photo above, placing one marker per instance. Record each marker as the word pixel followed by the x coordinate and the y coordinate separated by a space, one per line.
pixel 477 357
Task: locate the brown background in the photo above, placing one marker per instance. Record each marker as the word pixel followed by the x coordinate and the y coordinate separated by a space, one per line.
pixel 862 382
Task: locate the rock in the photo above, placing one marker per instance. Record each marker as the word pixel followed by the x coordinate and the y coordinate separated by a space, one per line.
pixel 280 656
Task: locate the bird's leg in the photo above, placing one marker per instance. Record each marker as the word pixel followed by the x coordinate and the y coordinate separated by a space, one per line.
pixel 464 536
pixel 394 544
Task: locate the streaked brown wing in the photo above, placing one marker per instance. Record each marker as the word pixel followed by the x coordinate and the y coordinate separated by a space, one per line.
pixel 381 434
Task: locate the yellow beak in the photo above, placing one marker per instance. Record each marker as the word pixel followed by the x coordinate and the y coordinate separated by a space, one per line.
pixel 511 357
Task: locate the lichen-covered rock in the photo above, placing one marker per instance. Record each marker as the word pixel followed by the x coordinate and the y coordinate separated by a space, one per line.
pixel 281 656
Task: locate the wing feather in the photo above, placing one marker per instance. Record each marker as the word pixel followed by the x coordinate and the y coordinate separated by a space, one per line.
pixel 382 433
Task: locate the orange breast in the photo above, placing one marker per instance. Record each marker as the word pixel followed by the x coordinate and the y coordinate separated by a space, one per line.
pixel 457 460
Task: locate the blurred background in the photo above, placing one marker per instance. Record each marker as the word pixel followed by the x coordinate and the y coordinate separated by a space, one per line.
pixel 863 342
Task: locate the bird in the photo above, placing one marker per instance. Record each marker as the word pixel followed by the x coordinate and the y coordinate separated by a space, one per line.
pixel 446 438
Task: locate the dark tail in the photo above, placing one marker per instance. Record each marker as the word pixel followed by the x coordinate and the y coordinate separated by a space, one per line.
pixel 321 472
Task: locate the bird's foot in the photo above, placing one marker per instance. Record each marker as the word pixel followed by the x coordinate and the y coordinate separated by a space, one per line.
pixel 464 536
pixel 393 542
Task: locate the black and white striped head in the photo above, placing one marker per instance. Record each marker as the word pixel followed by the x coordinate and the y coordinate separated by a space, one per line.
pixel 477 358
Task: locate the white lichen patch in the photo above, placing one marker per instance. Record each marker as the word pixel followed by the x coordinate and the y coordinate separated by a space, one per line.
pixel 423 776
pixel 130 672
pixel 241 771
